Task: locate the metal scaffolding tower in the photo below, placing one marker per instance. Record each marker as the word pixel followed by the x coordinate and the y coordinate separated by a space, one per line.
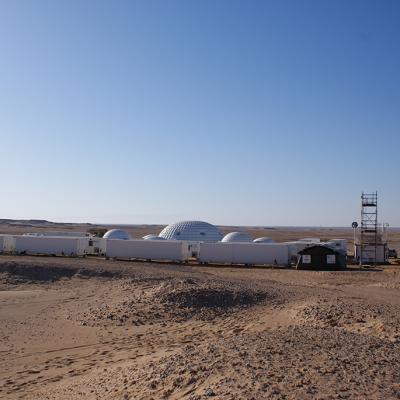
pixel 369 238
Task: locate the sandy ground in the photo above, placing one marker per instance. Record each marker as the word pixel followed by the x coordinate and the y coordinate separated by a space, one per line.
pixel 97 329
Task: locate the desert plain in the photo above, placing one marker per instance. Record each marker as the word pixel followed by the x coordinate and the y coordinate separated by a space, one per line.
pixel 90 328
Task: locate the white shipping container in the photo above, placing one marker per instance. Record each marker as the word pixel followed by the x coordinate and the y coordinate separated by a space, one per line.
pixel 193 249
pixel 165 250
pixel 50 245
pixel 8 244
pixel 218 252
pixel 268 254
pixel 244 253
pixel 95 246
pixel 369 254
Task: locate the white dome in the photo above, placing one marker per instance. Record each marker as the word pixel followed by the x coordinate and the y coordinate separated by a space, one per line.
pixel 264 240
pixel 196 231
pixel 117 234
pixel 237 237
pixel 152 236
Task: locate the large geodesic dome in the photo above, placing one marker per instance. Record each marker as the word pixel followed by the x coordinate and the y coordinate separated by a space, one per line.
pixel 237 237
pixel 194 231
pixel 117 234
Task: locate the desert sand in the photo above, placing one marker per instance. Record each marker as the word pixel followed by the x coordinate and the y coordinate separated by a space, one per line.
pixel 102 329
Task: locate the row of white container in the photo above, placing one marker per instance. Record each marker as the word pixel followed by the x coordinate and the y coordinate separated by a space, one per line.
pixel 206 252
pixel 80 246
pixel 166 250
pixel 260 254
pixel 68 246
pixel 227 253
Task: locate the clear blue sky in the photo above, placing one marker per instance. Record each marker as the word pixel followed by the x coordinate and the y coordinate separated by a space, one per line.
pixel 234 112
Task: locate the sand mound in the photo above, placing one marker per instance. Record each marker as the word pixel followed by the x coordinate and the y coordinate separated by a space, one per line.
pixel 206 301
pixel 211 298
pixel 150 302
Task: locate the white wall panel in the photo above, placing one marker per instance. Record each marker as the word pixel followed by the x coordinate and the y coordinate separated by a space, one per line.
pixel 244 253
pixel 252 253
pixel 147 249
pixel 221 253
pixel 48 245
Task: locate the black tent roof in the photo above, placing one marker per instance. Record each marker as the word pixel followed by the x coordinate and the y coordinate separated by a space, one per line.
pixel 320 246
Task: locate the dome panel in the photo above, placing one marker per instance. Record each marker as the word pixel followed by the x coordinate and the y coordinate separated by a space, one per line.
pixel 196 231
pixel 117 234
pixel 237 237
pixel 152 236
pixel 264 240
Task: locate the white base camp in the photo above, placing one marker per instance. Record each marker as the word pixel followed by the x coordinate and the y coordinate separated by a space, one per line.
pixel 163 250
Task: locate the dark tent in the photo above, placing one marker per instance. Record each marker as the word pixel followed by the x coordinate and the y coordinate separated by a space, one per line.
pixel 321 257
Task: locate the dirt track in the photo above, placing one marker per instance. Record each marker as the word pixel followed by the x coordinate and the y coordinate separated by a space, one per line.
pixel 95 329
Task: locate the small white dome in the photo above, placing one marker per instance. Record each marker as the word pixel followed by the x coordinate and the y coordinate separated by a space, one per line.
pixel 152 236
pixel 117 234
pixel 195 231
pixel 264 240
pixel 237 237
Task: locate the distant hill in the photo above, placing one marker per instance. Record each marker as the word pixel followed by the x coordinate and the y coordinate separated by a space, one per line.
pixel 24 221
pixel 33 222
